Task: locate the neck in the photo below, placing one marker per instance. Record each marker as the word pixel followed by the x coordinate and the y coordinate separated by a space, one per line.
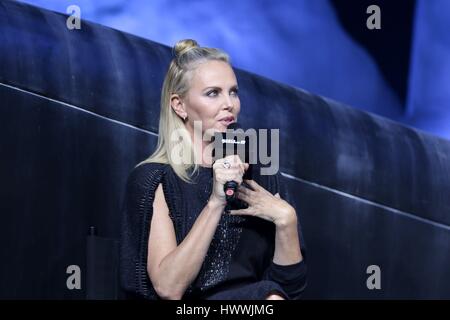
pixel 203 149
pixel 207 160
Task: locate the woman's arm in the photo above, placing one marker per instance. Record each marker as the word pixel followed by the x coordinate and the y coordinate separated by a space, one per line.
pixel 272 208
pixel 172 268
pixel 287 267
pixel 287 244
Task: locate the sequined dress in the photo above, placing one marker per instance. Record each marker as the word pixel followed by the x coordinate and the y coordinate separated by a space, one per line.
pixel 238 264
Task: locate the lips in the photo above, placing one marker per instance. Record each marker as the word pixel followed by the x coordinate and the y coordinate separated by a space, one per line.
pixel 228 119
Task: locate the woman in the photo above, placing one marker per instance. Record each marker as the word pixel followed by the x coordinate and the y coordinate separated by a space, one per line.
pixel 178 241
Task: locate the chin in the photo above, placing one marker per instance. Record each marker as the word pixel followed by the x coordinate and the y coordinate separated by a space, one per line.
pixel 219 128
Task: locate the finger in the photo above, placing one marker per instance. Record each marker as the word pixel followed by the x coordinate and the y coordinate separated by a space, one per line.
pixel 244 197
pixel 253 184
pixel 245 190
pixel 218 163
pixel 277 195
pixel 232 159
pixel 244 167
pixel 237 158
pixel 243 212
pixel 237 165
pixel 224 177
pixel 247 193
pixel 229 171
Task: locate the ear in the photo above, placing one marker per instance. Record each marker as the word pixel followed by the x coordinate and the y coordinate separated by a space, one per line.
pixel 177 105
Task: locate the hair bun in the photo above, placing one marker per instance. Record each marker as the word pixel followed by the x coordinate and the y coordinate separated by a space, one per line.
pixel 183 46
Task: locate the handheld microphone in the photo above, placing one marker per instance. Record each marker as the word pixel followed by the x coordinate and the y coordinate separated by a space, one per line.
pixel 230 187
pixel 232 142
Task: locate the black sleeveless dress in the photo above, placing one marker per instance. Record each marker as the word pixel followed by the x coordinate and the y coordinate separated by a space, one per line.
pixel 238 264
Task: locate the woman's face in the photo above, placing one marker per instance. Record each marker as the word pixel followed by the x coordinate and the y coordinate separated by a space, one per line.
pixel 212 97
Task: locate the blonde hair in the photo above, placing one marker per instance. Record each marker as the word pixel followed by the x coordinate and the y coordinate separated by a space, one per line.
pixel 187 56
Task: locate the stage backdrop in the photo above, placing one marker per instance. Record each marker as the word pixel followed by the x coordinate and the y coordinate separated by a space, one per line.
pixel 80 108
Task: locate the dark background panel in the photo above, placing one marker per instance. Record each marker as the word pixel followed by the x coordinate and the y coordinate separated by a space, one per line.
pixel 62 171
pixel 344 235
pixel 98 68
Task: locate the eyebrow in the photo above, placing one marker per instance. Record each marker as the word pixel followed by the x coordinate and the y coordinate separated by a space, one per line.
pixel 219 88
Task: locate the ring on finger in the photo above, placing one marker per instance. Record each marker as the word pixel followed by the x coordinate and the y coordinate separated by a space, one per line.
pixel 226 164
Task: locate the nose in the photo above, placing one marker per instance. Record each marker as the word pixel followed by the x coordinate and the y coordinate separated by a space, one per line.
pixel 228 103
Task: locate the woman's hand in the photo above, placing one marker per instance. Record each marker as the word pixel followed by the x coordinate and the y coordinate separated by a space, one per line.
pixel 263 204
pixel 275 296
pixel 221 175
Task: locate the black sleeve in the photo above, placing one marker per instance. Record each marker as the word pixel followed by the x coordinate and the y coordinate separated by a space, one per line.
pixel 292 278
pixel 137 212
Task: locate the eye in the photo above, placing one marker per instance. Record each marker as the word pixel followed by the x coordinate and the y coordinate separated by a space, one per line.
pixel 234 92
pixel 212 93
